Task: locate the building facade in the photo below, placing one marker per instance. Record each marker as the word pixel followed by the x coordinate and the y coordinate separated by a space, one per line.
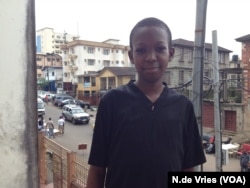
pixel 83 59
pixel 180 69
pixel 49 41
pixel 49 71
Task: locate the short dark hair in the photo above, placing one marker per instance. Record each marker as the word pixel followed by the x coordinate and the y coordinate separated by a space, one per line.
pixel 151 21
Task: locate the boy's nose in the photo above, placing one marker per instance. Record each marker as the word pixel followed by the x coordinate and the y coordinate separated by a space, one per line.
pixel 151 56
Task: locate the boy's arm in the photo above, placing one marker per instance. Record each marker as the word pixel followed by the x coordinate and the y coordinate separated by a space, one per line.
pixel 96 176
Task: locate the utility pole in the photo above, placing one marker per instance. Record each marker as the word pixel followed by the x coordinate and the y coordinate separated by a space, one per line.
pixel 217 127
pixel 198 59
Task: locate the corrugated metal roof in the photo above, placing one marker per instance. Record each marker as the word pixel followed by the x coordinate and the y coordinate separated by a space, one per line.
pixel 121 71
pixel 187 43
pixel 243 38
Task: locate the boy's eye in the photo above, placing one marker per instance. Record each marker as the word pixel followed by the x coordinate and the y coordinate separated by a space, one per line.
pixel 160 49
pixel 140 50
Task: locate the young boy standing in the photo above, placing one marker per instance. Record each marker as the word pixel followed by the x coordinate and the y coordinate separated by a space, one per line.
pixel 144 130
pixel 61 125
pixel 50 126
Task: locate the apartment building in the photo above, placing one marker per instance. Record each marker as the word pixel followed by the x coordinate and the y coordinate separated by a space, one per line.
pixel 82 59
pixel 49 41
pixel 180 69
pixel 49 71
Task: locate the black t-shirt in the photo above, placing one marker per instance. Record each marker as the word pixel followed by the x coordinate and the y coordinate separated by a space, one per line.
pixel 140 142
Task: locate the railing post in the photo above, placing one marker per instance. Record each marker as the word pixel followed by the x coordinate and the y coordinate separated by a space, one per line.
pixel 42 166
pixel 71 170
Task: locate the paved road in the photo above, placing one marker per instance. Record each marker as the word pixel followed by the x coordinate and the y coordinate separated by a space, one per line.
pixel 74 134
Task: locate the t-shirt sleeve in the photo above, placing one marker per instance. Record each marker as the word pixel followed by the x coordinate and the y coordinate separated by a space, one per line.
pixel 194 153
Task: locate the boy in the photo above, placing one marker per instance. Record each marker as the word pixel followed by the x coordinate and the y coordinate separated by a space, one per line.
pixel 50 126
pixel 61 125
pixel 143 130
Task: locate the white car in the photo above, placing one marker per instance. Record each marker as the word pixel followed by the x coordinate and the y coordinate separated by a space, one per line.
pixel 40 107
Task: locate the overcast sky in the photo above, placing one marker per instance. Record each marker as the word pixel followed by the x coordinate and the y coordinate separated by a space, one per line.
pixel 99 20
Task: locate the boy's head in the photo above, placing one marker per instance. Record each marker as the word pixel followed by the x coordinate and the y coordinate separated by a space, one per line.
pixel 151 50
pixel 150 22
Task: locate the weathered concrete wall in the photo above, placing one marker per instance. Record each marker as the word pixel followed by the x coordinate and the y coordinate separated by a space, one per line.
pixel 18 120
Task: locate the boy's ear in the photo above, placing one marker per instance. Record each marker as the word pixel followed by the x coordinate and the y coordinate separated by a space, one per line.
pixel 130 55
pixel 171 54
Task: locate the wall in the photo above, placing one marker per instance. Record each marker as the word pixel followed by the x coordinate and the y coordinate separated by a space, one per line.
pixel 18 118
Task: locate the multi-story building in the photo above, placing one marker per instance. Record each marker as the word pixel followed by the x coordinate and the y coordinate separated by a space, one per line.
pixel 49 70
pixel 83 59
pixel 180 69
pixel 245 59
pixel 48 41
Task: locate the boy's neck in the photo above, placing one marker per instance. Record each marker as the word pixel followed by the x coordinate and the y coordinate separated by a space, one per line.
pixel 151 91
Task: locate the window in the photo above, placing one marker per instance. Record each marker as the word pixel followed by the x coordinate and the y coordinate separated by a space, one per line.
pixel 111 82
pixel 103 83
pixel 117 51
pixel 117 62
pixel 53 73
pixel 38 58
pixel 167 79
pixel 91 50
pixel 181 77
pixel 190 56
pixel 65 63
pixel 93 81
pixel 181 55
pixel 233 80
pixel 221 58
pixel 65 74
pixel 105 51
pixel 80 79
pixel 106 63
pixel 91 61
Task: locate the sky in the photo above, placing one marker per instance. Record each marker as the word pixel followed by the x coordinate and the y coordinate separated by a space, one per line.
pixel 99 20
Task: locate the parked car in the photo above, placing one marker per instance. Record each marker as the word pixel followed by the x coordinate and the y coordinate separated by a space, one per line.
pixel 41 94
pixel 75 114
pixel 83 104
pixel 40 107
pixel 60 98
pixel 56 95
pixel 66 101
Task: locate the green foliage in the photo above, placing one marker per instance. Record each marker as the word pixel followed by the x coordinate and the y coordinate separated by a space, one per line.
pixel 235 94
pixel 42 84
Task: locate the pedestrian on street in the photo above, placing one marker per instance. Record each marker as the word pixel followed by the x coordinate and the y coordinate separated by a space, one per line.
pixel 50 126
pixel 61 123
pixel 143 129
pixel 244 161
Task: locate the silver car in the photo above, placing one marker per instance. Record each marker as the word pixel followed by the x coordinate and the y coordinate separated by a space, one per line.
pixel 75 114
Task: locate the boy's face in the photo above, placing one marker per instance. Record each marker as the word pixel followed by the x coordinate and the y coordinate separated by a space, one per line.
pixel 150 53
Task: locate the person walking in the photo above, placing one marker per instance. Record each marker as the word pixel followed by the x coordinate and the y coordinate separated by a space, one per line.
pixel 61 123
pixel 244 161
pixel 50 126
pixel 143 129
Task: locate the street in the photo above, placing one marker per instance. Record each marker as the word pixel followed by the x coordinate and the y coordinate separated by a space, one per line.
pixel 73 134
